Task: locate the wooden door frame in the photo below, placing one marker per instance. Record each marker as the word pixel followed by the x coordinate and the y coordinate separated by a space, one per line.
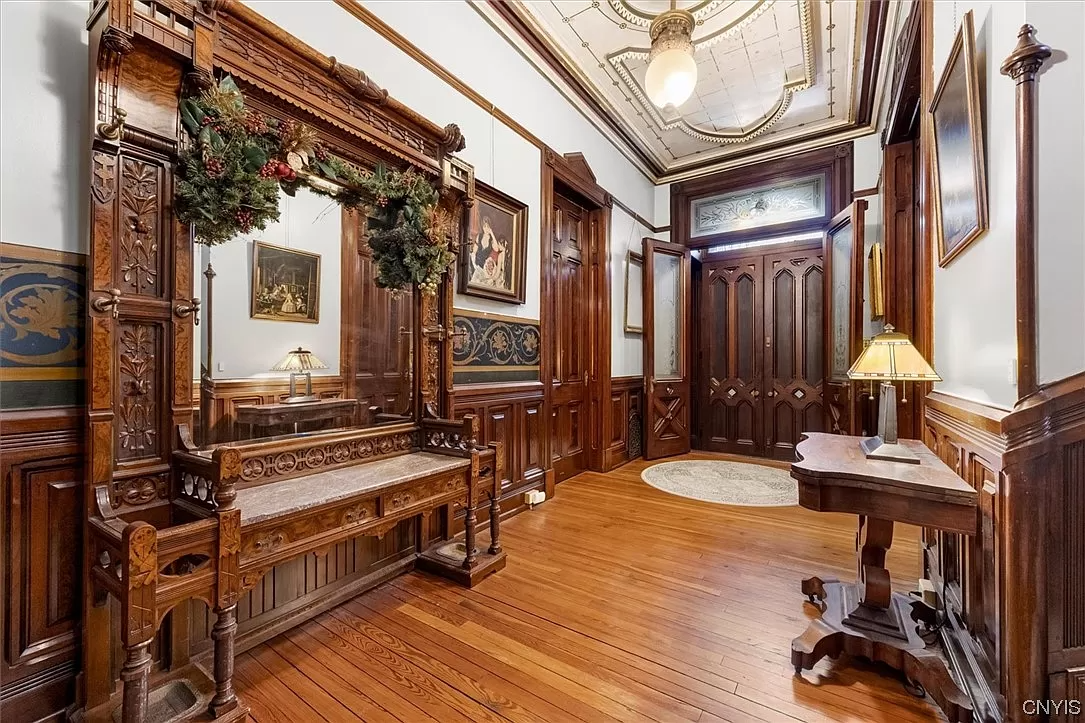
pixel 572 172
pixel 853 215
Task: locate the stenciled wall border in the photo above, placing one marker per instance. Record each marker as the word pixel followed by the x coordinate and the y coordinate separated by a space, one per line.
pixel 490 348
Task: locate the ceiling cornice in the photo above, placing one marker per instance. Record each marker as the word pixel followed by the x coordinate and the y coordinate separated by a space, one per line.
pixel 870 47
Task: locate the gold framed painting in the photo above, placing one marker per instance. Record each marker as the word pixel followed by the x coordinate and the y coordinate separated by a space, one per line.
pixel 285 284
pixel 634 293
pixel 494 263
pixel 960 178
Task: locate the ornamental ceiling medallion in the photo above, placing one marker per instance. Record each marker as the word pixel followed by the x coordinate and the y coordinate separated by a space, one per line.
pixel 768 71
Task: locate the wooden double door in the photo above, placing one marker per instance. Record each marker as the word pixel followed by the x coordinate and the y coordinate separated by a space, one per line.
pixel 761 361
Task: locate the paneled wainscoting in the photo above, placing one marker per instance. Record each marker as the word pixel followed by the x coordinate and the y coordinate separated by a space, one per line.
pixel 619 603
pixel 41 464
pixel 510 413
pixel 624 422
pixel 1016 589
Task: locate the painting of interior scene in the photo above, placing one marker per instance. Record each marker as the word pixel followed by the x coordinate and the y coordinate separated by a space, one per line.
pixel 285 284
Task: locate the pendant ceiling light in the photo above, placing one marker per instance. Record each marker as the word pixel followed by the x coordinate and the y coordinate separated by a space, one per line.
pixel 672 71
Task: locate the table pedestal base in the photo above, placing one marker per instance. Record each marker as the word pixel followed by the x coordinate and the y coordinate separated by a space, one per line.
pixel 888 635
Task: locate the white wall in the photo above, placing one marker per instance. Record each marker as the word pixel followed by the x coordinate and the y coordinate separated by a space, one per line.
pixel 975 336
pixel 627 356
pixel 1061 188
pixel 246 347
pixel 44 96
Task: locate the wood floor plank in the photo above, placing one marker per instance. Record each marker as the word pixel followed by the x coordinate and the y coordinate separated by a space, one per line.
pixel 619 603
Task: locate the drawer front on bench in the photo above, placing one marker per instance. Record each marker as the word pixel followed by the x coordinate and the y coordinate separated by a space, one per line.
pixel 419 496
pixel 271 542
pixel 272 537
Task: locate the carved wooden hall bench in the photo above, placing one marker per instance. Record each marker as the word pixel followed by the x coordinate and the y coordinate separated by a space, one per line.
pixel 242 509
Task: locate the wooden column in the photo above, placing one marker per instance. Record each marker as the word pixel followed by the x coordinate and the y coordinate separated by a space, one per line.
pixel 1024 628
pixel 1022 65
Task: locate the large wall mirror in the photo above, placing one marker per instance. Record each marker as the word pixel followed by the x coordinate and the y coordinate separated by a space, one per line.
pixel 295 337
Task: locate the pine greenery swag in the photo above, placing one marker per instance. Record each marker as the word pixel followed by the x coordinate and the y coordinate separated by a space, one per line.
pixel 238 162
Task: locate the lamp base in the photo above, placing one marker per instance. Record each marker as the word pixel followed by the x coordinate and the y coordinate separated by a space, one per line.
pixel 301 398
pixel 876 448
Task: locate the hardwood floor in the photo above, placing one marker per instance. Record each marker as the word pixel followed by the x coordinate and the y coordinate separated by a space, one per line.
pixel 619 603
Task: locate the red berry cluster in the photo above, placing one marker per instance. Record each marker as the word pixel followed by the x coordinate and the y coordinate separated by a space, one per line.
pixel 255 124
pixel 382 201
pixel 321 153
pixel 213 166
pixel 269 170
pixel 207 120
pixel 244 219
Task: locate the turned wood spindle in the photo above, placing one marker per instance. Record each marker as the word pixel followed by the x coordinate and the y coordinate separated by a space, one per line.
pixel 223 633
pixel 495 524
pixel 134 674
pixel 470 520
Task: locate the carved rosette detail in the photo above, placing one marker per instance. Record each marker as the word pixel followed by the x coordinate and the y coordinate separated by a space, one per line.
pixel 138 491
pixel 322 456
pixel 140 226
pixel 453 140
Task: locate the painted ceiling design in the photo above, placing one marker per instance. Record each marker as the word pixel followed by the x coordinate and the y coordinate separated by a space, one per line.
pixel 768 70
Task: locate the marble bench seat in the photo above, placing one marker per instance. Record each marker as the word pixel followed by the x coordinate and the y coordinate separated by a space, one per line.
pixel 286 497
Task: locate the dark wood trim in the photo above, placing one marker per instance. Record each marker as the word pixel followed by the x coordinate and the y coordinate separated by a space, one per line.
pixel 905 86
pixel 873 40
pixel 389 33
pixel 511 14
pixel 923 236
pixel 626 403
pixel 1023 65
pixel 835 163
pixel 570 173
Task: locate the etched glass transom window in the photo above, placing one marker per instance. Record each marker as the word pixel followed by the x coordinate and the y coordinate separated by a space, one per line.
pixel 796 200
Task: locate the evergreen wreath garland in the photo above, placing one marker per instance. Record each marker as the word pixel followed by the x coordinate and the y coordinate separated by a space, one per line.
pixel 231 174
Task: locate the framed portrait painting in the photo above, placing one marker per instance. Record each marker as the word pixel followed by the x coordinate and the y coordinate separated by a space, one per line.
pixel 960 179
pixel 494 263
pixel 285 284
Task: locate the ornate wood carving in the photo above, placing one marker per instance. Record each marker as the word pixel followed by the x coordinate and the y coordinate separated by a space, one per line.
pixel 140 231
pixel 140 319
pixel 138 423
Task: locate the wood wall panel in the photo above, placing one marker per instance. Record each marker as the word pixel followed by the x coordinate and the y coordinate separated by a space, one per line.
pixel 967 437
pixel 511 414
pixel 41 463
pixel 624 421
pixel 300 587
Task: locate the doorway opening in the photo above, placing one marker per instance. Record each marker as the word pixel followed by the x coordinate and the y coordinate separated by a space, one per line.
pixel 760 345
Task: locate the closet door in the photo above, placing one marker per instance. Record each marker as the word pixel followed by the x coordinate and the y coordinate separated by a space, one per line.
pixel 666 348
pixel 732 331
pixel 794 349
pixel 843 249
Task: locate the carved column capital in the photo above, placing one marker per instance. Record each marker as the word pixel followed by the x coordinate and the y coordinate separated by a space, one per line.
pixel 1027 57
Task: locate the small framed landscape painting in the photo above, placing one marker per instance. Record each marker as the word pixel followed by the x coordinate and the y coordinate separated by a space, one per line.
pixel 494 264
pixel 285 284
pixel 960 179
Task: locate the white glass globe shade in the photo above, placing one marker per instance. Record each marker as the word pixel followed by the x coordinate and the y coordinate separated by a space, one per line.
pixel 671 77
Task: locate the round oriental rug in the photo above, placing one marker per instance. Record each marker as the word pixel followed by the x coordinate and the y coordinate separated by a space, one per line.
pixel 728 483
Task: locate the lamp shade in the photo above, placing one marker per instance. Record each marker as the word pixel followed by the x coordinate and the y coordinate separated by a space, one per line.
pixel 671 78
pixel 299 360
pixel 891 356
pixel 672 71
